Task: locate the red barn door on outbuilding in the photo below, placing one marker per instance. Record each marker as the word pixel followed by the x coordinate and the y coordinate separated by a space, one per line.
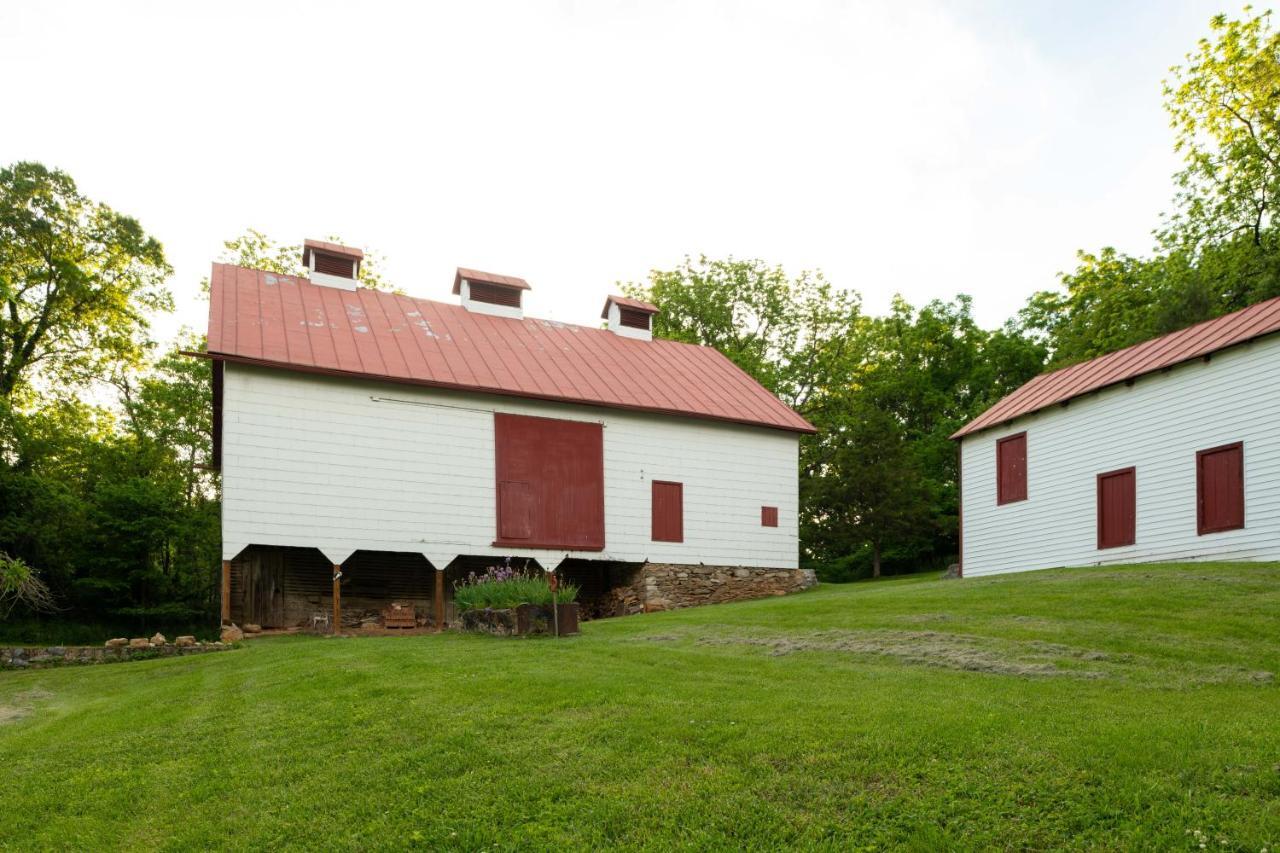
pixel 1117 508
pixel 550 482
pixel 1220 489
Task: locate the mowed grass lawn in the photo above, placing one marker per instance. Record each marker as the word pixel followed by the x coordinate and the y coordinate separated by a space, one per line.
pixel 1112 708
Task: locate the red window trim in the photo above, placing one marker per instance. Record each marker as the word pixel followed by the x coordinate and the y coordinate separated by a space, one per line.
pixel 768 516
pixel 653 507
pixel 1133 534
pixel 1201 527
pixel 1001 500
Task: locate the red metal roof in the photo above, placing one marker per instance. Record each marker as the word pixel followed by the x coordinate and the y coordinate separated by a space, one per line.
pixel 488 278
pixel 627 302
pixel 1122 365
pixel 286 321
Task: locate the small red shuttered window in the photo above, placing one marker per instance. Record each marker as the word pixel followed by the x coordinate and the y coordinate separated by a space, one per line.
pixel 1220 489
pixel 668 511
pixel 1117 508
pixel 768 516
pixel 1011 469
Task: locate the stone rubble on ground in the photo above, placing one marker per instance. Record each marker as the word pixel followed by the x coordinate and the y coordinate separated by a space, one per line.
pixel 158 639
pixel 231 634
pixel 117 649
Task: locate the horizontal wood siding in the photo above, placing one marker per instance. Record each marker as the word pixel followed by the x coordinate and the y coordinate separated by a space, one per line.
pixel 1157 426
pixel 315 461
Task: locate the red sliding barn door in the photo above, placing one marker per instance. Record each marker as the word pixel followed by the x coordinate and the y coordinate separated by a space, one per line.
pixel 1117 508
pixel 550 489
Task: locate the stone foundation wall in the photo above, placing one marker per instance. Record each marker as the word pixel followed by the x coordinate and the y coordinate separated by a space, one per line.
pixel 38 657
pixel 661 586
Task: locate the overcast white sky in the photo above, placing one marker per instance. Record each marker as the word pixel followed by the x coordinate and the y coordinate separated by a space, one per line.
pixel 921 148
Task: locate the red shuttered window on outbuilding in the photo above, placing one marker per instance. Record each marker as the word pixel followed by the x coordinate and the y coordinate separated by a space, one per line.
pixel 668 511
pixel 768 516
pixel 1011 469
pixel 1220 489
pixel 550 482
pixel 1117 508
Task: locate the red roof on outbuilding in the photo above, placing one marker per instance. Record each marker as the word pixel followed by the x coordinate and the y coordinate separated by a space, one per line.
pixel 1129 363
pixel 258 317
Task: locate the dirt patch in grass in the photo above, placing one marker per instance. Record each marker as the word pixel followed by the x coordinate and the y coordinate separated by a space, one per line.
pixel 927 617
pixel 997 656
pixel 925 648
pixel 20 706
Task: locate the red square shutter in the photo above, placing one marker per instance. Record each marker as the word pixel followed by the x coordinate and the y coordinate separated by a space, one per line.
pixel 768 516
pixel 1117 508
pixel 668 511
pixel 1220 489
pixel 1011 469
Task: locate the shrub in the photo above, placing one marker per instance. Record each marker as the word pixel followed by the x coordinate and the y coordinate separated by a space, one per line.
pixel 501 587
pixel 20 584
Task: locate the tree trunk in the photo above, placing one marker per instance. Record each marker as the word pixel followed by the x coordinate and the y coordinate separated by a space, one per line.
pixel 875 559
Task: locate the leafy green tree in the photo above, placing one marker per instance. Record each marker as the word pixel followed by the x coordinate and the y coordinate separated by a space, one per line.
pixel 76 279
pixel 924 373
pixel 870 490
pixel 1219 250
pixel 1224 106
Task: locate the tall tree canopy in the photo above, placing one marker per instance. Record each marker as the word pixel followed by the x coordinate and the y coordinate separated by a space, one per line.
pixel 77 280
pixel 1219 249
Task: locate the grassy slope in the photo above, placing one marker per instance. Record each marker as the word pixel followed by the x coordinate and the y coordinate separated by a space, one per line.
pixel 1088 708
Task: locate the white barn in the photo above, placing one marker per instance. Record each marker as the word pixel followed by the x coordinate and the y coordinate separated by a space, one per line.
pixel 1168 450
pixel 377 447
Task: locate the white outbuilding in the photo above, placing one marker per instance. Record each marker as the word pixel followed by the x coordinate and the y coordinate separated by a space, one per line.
pixel 1167 450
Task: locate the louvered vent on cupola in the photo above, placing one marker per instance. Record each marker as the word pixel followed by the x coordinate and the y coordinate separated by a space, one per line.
pixel 629 318
pixel 330 264
pixel 490 293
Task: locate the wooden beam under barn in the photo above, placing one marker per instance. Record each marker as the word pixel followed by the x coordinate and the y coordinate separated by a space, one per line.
pixel 337 599
pixel 226 591
pixel 437 600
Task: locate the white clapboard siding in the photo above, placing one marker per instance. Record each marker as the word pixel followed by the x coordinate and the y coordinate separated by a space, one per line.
pixel 314 461
pixel 1156 425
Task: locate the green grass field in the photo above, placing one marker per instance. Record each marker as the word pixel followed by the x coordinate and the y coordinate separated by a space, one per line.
pixel 1085 709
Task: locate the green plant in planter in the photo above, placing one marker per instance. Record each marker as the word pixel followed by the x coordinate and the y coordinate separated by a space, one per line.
pixel 502 587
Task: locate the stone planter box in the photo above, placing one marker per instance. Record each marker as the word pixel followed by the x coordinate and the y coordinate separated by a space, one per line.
pixel 527 620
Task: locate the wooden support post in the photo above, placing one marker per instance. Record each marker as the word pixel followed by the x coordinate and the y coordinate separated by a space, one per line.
pixel 438 601
pixel 337 599
pixel 226 591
